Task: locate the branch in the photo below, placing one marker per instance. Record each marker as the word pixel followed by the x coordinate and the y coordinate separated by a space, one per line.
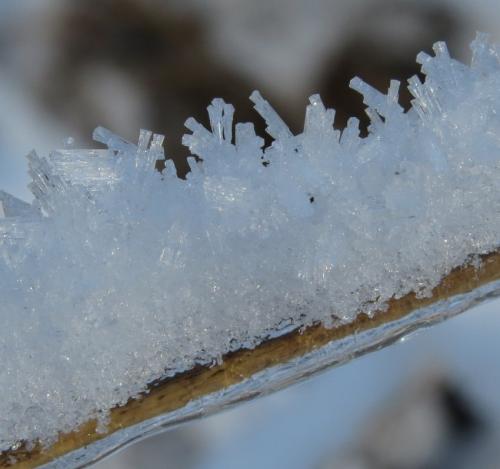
pixel 118 277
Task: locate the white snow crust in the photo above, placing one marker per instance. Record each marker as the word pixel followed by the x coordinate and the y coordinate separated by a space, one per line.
pixel 117 275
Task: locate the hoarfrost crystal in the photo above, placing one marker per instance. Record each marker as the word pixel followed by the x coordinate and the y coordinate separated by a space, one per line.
pixel 118 275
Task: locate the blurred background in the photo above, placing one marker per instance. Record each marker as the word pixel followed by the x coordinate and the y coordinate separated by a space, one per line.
pixel 431 401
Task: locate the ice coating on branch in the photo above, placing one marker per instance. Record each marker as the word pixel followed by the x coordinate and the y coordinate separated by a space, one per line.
pixel 118 275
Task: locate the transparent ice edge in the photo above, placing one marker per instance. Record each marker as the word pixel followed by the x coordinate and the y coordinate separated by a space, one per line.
pixel 335 353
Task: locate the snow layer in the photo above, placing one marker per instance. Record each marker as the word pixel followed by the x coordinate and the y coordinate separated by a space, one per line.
pixel 118 275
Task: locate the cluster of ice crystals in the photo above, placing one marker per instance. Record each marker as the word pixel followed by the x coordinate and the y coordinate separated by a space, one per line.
pixel 118 275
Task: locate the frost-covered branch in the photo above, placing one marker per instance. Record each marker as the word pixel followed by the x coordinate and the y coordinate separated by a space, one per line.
pixel 118 276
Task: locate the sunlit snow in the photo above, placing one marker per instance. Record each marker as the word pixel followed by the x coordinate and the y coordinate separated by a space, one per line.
pixel 118 275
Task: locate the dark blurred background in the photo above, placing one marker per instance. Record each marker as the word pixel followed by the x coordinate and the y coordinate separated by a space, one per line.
pixel 68 66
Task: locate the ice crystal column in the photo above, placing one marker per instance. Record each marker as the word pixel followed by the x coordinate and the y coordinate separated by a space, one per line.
pixel 118 275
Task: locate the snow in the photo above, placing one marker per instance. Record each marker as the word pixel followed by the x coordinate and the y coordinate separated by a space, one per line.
pixel 117 275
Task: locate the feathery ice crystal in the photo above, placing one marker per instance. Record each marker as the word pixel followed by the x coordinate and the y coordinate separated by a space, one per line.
pixel 118 275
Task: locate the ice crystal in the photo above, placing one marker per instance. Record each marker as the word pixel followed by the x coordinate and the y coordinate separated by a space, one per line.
pixel 118 275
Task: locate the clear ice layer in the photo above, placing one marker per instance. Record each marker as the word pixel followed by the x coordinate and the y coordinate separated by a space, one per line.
pixel 117 275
